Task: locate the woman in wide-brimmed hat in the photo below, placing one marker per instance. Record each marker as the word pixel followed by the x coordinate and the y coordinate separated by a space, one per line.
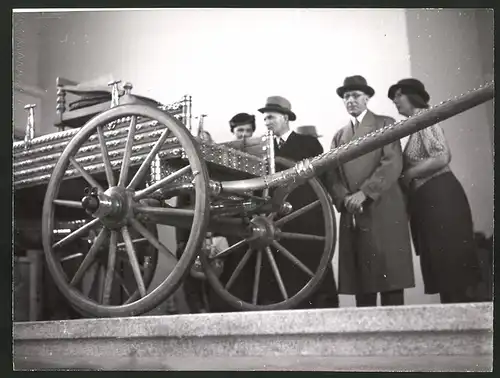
pixel 440 215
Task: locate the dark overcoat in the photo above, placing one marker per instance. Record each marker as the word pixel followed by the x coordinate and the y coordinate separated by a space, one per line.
pixel 374 248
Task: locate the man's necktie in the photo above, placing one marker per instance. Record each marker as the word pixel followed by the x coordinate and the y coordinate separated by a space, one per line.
pixel 354 125
pixel 281 142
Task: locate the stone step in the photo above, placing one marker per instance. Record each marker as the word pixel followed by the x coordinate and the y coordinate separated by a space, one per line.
pixel 417 338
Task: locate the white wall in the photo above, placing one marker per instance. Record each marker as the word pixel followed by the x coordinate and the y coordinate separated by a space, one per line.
pixel 451 52
pixel 231 60
pixel 26 37
pixel 485 34
pixel 451 57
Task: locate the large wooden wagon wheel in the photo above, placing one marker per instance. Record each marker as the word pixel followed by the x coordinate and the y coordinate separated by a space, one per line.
pixel 120 209
pixel 274 243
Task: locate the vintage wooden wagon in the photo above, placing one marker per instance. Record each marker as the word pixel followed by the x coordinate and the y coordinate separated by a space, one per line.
pixel 94 194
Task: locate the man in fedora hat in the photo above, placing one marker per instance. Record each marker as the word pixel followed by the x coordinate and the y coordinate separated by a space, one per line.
pixel 293 146
pixel 374 242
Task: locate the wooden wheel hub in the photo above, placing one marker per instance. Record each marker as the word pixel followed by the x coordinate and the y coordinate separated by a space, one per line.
pixel 113 207
pixel 263 232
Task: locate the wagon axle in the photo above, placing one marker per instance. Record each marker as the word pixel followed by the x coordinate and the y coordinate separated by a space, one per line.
pixel 90 203
pixel 263 232
pixel 113 207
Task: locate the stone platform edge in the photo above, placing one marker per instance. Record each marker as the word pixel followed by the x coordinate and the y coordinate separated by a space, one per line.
pixel 397 319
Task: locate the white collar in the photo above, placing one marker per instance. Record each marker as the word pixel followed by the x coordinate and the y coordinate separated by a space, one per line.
pixel 359 118
pixel 285 136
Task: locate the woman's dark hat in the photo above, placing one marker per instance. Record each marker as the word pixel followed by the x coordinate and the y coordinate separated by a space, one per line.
pixel 242 119
pixel 279 104
pixel 355 83
pixel 413 85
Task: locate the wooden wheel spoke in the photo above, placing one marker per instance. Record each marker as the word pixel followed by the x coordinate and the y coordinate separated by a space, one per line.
pixel 134 241
pixel 71 257
pixel 133 261
pixel 120 281
pixel 292 258
pixel 276 272
pixel 76 234
pixel 86 175
pixel 238 268
pixel 164 181
pixel 108 280
pixel 299 236
pixel 297 213
pixel 127 152
pixel 228 250
pixel 66 203
pixel 105 157
pixel 256 282
pixel 149 158
pixel 91 274
pixel 101 275
pixel 152 239
pixel 90 257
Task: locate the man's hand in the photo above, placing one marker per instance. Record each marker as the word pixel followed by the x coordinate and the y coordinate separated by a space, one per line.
pixel 354 202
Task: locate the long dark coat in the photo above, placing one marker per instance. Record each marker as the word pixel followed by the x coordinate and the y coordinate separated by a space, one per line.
pixel 375 252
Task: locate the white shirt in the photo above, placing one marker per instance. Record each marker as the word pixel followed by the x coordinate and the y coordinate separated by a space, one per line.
pixel 359 118
pixel 284 136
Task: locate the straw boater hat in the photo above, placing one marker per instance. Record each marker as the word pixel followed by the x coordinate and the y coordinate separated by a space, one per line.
pixel 355 83
pixel 279 104
pixel 308 130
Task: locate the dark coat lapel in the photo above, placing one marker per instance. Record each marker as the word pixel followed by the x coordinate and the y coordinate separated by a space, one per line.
pixel 287 150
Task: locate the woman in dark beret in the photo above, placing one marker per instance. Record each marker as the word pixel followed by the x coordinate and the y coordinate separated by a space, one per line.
pixel 440 215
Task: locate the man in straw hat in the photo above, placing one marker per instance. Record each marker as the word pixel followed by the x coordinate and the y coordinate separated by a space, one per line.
pixel 374 242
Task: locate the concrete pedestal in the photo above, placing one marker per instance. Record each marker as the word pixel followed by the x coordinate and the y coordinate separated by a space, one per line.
pixel 405 338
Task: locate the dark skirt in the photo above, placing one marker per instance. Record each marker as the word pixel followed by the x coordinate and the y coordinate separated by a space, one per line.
pixel 442 231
